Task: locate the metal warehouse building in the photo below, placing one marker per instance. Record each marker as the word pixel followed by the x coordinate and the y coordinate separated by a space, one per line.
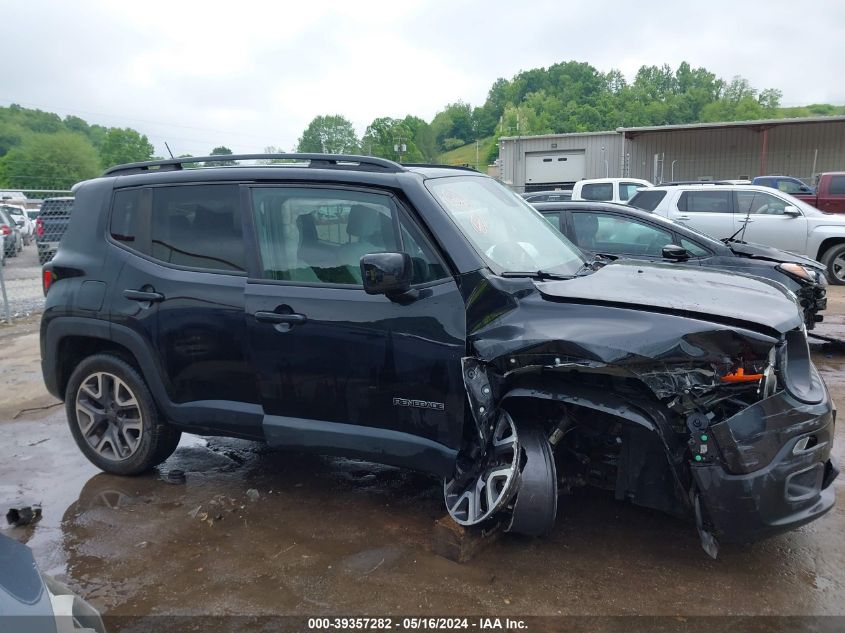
pixel 698 151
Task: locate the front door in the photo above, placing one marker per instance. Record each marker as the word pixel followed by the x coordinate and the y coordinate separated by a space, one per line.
pixel 766 223
pixel 340 370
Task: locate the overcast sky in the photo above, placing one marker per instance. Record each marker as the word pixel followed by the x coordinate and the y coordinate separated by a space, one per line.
pixel 251 74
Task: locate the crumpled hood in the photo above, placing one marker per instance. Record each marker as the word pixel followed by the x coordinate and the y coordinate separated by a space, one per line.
pixel 690 292
pixel 758 251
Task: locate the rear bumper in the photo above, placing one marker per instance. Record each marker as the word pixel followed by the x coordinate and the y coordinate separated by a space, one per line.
pixel 795 487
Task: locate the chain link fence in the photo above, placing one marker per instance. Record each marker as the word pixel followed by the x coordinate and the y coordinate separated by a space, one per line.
pixel 31 226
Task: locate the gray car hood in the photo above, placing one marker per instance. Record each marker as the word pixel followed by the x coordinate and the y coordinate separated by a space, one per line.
pixel 685 291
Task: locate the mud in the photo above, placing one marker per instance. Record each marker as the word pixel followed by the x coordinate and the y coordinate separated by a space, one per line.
pixel 334 536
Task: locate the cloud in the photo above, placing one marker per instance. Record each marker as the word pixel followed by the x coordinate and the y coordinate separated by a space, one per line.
pixel 251 74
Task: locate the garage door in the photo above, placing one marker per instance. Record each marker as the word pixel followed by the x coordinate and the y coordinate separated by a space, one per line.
pixel 554 167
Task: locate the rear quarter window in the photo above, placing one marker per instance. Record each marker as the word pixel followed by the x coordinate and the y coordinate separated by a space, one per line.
pixel 647 200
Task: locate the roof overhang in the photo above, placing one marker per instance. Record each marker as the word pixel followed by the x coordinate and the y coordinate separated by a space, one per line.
pixel 757 126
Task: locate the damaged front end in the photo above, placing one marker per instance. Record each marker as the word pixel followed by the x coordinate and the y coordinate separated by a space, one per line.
pixel 699 411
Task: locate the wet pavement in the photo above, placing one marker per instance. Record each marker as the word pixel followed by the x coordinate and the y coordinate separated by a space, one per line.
pixel 334 536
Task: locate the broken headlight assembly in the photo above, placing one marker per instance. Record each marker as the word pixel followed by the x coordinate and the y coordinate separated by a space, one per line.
pixel 798 272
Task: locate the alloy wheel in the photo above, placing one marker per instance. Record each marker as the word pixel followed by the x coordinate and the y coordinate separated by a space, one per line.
pixel 475 499
pixel 109 416
pixel 837 267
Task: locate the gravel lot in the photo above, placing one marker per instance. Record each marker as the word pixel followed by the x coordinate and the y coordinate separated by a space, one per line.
pixel 22 275
pixel 335 536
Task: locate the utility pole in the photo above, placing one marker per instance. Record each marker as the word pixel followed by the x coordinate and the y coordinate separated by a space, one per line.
pixel 399 147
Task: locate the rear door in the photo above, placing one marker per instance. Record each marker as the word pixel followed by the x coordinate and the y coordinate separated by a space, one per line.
pixel 180 287
pixel 762 215
pixel 341 370
pixel 711 211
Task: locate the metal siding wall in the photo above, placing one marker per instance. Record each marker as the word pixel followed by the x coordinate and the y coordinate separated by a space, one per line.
pixel 721 153
pixel 512 154
pixel 726 153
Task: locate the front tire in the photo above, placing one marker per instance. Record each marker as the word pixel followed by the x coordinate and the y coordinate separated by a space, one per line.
pixel 114 419
pixel 834 261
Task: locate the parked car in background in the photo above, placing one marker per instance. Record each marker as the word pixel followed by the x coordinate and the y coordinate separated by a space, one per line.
pixel 51 225
pixel 615 230
pixel 13 242
pixel 26 226
pixel 607 189
pixel 32 214
pixel 755 214
pixel 546 196
pixel 829 194
pixel 429 318
pixel 787 184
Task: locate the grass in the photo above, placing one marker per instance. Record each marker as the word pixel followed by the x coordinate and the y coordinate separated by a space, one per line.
pixel 465 155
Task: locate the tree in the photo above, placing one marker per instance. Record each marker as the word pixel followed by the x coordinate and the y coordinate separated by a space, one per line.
pixel 49 161
pixel 383 136
pixel 221 150
pixel 124 145
pixel 329 134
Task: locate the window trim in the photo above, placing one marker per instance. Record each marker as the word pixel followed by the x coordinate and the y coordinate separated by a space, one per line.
pixel 255 267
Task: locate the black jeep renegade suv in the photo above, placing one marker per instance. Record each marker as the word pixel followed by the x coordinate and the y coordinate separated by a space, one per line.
pixel 428 317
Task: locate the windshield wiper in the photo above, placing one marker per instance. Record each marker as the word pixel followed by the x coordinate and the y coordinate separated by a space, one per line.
pixel 542 275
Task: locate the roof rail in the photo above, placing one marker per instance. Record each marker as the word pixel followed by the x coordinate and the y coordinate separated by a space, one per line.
pixel 441 166
pixel 677 183
pixel 319 161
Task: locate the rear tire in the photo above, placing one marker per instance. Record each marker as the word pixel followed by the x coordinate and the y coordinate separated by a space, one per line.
pixel 834 261
pixel 114 419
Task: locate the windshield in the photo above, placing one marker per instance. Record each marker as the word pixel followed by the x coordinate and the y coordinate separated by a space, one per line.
pixel 506 231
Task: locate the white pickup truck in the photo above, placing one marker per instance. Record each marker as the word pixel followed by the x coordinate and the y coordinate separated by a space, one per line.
pixel 753 213
pixel 607 189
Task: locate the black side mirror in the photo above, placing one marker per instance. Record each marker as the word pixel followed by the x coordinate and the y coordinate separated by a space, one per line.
pixel 386 273
pixel 673 251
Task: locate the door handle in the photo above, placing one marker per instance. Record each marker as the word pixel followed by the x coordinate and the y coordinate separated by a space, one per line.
pixel 142 295
pixel 275 317
pixel 683 217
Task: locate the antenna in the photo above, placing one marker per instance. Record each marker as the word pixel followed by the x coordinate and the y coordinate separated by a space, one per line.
pixel 168 149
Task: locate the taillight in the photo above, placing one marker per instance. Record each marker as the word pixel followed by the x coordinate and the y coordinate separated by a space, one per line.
pixel 47 279
pixel 39 227
pixel 5 230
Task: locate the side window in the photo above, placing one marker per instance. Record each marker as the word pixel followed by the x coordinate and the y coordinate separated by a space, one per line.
pixel 837 186
pixel 125 214
pixel 693 249
pixel 789 186
pixel 597 191
pixel 553 218
pixel 317 235
pixel 627 190
pixel 427 266
pixel 617 235
pixel 198 226
pixel 758 203
pixel 705 202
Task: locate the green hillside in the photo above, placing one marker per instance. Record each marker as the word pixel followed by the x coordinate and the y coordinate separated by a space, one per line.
pixel 465 155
